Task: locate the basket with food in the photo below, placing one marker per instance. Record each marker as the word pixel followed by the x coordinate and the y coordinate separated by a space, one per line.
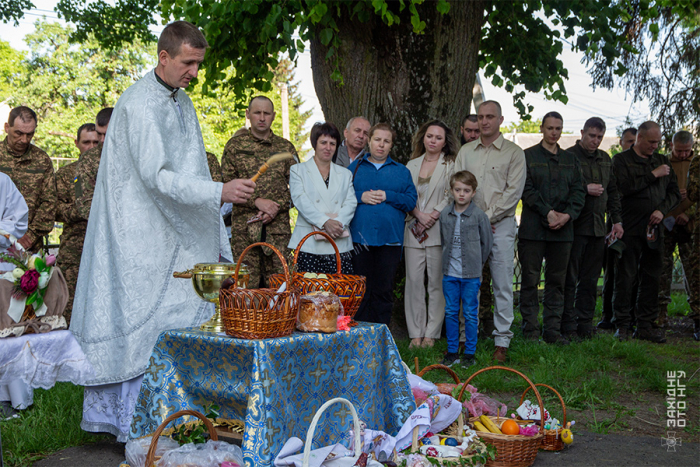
pixel 349 288
pixel 516 442
pixel 259 313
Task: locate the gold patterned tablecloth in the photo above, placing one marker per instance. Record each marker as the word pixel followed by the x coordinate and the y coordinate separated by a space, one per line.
pixel 276 385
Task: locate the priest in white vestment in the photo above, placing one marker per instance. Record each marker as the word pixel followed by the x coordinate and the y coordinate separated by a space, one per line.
pixel 14 215
pixel 155 210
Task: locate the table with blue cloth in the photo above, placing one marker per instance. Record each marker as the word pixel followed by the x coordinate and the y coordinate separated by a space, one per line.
pixel 277 385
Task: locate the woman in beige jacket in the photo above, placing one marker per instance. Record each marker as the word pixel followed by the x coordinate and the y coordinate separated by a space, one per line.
pixel 431 165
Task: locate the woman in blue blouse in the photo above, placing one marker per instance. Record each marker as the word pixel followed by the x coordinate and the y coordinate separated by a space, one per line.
pixel 385 193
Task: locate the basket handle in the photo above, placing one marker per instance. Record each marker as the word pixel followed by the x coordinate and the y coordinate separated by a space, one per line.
pixel 563 406
pixel 532 386
pixel 154 441
pixel 328 237
pixel 275 250
pixel 314 423
pixel 438 366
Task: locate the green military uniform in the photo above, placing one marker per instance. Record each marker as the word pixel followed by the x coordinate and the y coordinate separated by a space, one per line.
pixel 588 249
pixel 73 234
pixel 641 194
pixel 33 175
pixel 243 156
pixel 214 167
pixel 86 178
pixel 553 182
pixel 693 195
pixel 681 236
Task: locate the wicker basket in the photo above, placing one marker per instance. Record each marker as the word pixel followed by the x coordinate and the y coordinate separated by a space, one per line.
pixel 259 313
pixel 552 438
pixel 457 428
pixel 511 450
pixel 151 458
pixel 349 288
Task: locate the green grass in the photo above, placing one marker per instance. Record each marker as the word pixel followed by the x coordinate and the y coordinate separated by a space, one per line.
pixel 599 375
pixel 51 424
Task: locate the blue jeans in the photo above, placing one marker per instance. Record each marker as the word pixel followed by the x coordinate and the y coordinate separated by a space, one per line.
pixel 466 291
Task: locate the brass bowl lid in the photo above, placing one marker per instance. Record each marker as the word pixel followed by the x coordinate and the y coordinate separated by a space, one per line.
pixel 227 269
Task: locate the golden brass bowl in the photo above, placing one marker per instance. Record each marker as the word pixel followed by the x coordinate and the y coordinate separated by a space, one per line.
pixel 207 279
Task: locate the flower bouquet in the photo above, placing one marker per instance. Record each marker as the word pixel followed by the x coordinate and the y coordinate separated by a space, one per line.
pixel 30 280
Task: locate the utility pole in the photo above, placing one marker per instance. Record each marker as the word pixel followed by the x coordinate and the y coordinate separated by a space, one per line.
pixel 284 96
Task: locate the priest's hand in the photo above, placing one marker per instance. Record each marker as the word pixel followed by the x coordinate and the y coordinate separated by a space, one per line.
pixel 237 191
pixel 25 241
pixel 267 206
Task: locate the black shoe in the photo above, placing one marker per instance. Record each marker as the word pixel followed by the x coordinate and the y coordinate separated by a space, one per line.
pixel 585 335
pixel 696 334
pixel 571 336
pixel 531 336
pixel 451 359
pixel 7 412
pixel 650 334
pixel 467 360
pixel 558 340
pixel 605 325
pixel 623 334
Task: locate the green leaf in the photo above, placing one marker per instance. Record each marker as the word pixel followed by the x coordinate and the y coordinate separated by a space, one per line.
pixel 443 7
pixel 31 299
pixel 326 36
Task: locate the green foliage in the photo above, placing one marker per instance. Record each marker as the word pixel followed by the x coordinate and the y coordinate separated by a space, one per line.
pixel 196 433
pixel 524 126
pixel 67 84
pixel 11 66
pixel 13 10
pixel 659 61
pixel 220 120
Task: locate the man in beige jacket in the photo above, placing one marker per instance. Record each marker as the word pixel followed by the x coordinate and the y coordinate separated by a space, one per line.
pixel 499 167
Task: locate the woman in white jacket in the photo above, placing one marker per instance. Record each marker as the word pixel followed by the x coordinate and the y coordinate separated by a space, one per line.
pixel 324 195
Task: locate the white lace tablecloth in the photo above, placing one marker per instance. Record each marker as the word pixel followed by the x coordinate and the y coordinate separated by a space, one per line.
pixel 40 360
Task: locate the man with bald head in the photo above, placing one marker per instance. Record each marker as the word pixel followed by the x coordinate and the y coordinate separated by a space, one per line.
pixel 271 200
pixel 356 134
pixel 499 167
pixel 649 191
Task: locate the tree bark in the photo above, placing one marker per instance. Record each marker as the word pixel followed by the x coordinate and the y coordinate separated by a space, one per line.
pixel 396 76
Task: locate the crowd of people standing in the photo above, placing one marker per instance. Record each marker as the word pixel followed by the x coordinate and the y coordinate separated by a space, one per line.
pixel 450 213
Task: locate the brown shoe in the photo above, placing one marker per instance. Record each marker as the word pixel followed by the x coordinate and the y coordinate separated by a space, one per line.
pixel 500 354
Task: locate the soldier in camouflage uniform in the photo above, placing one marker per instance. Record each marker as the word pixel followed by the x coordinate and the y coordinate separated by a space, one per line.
pixel 73 230
pixel 214 167
pixel 681 234
pixel 31 171
pixel 243 156
pixel 693 194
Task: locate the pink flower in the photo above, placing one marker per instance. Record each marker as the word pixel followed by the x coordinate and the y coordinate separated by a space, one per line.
pixel 50 260
pixel 29 281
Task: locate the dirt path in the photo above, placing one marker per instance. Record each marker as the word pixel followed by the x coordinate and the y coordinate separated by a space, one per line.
pixel 588 450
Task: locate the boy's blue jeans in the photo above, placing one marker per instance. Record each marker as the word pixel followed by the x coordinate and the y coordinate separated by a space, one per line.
pixel 466 291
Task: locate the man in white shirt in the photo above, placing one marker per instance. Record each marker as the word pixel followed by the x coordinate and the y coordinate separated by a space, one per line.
pixel 499 167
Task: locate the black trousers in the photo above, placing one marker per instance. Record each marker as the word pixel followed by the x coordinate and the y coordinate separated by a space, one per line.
pixel 609 288
pixel 556 256
pixel 585 264
pixel 638 262
pixel 378 264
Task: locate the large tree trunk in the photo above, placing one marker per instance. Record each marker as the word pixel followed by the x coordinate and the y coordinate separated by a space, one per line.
pixel 393 75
